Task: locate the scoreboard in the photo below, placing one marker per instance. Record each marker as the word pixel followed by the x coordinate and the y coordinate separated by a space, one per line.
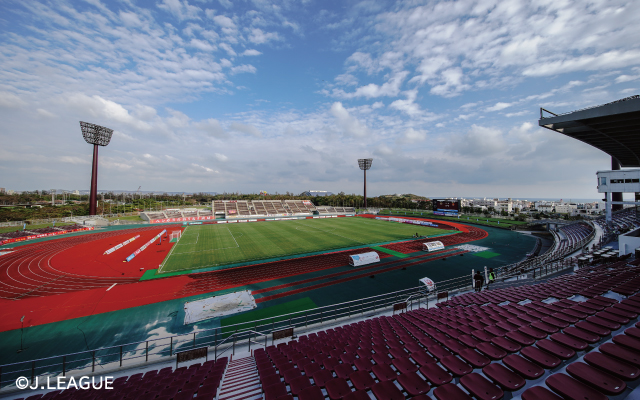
pixel 449 208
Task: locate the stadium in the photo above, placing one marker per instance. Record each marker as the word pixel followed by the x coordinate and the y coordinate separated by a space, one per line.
pixel 285 297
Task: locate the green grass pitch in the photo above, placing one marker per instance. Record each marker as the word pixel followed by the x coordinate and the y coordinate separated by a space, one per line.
pixel 203 246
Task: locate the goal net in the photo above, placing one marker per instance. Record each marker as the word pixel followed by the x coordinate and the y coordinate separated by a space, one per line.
pixel 175 235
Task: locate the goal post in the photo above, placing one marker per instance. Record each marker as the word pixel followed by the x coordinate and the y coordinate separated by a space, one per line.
pixel 175 235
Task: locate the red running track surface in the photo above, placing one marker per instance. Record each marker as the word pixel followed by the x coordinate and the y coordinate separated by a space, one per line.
pixel 54 283
pixel 76 263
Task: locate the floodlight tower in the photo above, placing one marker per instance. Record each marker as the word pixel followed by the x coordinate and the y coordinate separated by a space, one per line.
pixel 97 136
pixel 365 164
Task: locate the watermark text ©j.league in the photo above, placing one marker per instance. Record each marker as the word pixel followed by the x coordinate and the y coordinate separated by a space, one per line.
pixel 62 383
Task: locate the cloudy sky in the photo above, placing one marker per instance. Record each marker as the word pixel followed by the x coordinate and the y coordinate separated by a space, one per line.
pixel 251 95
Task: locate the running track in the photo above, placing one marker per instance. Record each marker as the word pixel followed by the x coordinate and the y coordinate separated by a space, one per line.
pixel 69 278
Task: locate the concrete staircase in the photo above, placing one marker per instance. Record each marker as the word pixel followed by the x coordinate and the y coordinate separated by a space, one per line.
pixel 241 381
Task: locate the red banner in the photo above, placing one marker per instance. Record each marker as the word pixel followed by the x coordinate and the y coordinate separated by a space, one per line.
pixel 21 239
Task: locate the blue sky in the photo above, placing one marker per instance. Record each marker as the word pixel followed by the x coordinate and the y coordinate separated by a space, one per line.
pixel 252 95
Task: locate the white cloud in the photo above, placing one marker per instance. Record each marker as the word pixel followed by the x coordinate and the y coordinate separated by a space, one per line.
pixel 251 52
pixel 347 123
pixel 408 106
pixel 258 36
pixel 391 88
pixel 182 10
pixel 10 100
pixel 226 47
pixel 225 3
pixel 245 128
pixel 243 68
pixel 212 128
pixel 220 157
pixel 499 106
pixel 479 141
pixel 411 136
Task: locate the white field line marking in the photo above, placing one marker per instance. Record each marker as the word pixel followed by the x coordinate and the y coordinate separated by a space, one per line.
pixel 234 239
pixel 210 250
pixel 171 252
pixel 111 286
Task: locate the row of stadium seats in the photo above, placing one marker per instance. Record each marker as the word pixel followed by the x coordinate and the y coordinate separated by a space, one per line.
pixel 166 384
pixel 489 346
pixel 327 210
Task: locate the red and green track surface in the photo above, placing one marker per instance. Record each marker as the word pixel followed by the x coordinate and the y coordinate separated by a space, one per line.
pixel 70 278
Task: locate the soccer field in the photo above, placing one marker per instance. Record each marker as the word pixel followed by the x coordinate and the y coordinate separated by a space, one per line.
pixel 203 246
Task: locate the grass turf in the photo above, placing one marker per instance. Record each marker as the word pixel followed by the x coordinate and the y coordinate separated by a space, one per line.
pixel 203 246
pixel 486 254
pixel 285 308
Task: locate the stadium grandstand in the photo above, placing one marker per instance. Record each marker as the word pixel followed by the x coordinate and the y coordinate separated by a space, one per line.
pixel 543 325
pixel 239 209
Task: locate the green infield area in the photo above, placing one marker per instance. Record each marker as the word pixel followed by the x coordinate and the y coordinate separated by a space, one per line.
pixel 203 246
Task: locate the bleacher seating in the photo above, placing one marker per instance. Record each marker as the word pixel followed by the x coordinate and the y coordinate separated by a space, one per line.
pixel 530 342
pixel 243 208
pixel 201 380
pixel 156 215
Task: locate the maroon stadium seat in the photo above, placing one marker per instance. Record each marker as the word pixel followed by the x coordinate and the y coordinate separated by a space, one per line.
pixel 311 393
pixel 599 380
pixel 570 388
pixel 337 388
pixel 480 387
pixel 450 391
pixel 613 366
pixel 386 390
pixel 474 358
pixel 539 393
pixel 383 372
pixel 362 380
pixel 456 366
pixel 413 384
pixel 507 379
pixel 524 367
pixel 542 358
pixel 435 374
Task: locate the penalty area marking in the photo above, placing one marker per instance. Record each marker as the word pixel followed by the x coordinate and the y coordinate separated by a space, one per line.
pixel 237 246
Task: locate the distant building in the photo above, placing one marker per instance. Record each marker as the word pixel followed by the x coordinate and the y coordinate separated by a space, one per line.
pixel 2 190
pixel 317 193
pixel 76 192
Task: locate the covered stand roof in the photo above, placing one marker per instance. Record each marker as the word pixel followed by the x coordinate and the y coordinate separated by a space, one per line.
pixel 613 128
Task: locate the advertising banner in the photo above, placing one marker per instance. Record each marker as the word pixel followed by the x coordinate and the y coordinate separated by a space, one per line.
pixel 141 249
pixel 428 283
pixel 409 221
pixel 23 238
pixel 432 246
pixel 181 219
pixel 357 260
pixel 121 245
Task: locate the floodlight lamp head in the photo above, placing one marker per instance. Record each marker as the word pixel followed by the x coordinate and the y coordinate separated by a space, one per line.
pixel 365 163
pixel 96 134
